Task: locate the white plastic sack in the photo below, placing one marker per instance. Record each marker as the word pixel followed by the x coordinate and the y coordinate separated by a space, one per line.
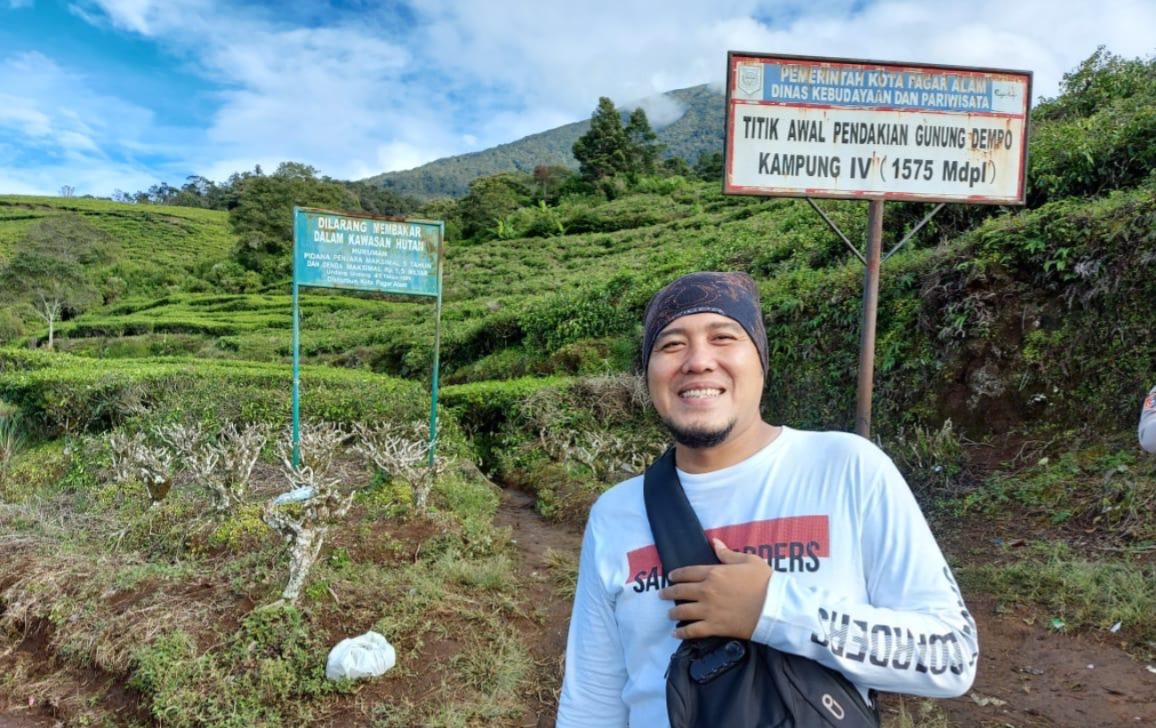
pixel 369 655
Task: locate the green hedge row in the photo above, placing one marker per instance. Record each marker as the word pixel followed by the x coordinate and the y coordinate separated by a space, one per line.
pixel 68 394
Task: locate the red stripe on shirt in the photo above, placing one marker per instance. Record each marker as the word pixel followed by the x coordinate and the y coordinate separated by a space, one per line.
pixel 794 529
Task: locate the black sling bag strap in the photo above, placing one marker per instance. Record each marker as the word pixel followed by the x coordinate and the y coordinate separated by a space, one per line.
pixel 723 682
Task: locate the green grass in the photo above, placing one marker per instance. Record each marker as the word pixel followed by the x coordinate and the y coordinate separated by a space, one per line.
pixel 1092 487
pixel 1082 592
pixel 163 236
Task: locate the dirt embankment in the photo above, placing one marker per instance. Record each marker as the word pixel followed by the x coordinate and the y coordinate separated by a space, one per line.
pixel 1029 676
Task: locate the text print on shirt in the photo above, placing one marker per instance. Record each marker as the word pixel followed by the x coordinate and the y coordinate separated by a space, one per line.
pixel 885 646
pixel 794 544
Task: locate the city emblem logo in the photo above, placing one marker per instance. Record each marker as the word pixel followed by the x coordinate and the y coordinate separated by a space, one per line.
pixel 750 78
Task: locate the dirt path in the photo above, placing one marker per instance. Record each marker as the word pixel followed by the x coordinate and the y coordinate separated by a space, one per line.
pixel 536 538
pixel 1028 677
pixel 1052 679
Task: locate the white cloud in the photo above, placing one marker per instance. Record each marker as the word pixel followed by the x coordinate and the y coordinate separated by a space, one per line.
pixel 21 117
pixel 145 17
pixel 629 50
pixel 359 95
pixel 661 110
pixel 58 131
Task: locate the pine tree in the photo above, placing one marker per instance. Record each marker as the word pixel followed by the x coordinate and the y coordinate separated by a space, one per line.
pixel 644 147
pixel 605 150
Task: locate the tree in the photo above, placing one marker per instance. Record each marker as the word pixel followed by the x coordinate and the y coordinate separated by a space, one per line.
pixel 549 180
pixel 55 287
pixel 162 194
pixel 49 269
pixel 605 150
pixel 676 167
pixel 1102 79
pixel 263 216
pixel 1099 134
pixel 491 199
pixel 709 166
pixel 196 192
pixel 448 211
pixel 644 147
pixel 376 199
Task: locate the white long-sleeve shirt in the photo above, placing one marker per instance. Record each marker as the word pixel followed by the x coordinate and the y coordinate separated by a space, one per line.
pixel 1147 430
pixel 859 582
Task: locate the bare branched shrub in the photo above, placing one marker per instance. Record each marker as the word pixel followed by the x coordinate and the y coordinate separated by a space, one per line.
pixel 120 457
pixel 223 465
pixel 610 456
pixel 202 463
pixel 134 459
pixel 185 440
pixel 227 465
pixel 320 443
pixel 304 523
pixel 562 421
pixel 614 398
pixel 402 452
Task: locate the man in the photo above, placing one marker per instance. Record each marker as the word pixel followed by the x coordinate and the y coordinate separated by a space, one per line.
pixel 1147 430
pixel 824 551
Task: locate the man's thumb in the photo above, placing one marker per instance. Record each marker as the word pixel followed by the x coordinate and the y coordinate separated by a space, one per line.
pixel 725 555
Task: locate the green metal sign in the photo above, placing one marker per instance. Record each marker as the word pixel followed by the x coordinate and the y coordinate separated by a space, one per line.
pixel 366 253
pixel 335 250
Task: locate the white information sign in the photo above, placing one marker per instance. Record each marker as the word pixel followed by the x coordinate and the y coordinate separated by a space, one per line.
pixel 821 127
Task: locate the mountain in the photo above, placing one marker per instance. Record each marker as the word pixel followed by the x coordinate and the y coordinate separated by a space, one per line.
pixel 698 129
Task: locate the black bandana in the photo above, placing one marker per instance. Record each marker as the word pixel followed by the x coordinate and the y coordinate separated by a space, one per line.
pixel 733 295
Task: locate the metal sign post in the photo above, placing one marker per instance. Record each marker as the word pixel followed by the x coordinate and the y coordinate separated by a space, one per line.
pixel 365 252
pixel 867 320
pixel 873 130
pixel 297 233
pixel 433 406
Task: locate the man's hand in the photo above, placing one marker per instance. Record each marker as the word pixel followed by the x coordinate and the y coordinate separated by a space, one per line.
pixel 725 600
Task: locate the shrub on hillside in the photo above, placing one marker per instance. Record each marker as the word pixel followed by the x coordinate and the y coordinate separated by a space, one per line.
pixel 613 308
pixel 231 277
pixel 12 325
pixel 633 211
pixel 1099 134
pixel 75 394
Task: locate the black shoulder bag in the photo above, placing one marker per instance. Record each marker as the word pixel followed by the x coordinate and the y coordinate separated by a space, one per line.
pixel 722 682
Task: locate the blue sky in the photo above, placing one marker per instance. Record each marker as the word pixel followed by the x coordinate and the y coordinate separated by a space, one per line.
pixel 103 95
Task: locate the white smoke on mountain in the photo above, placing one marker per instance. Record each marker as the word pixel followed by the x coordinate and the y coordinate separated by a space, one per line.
pixel 661 110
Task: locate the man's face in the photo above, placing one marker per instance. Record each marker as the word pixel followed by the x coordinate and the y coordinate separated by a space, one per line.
pixel 705 379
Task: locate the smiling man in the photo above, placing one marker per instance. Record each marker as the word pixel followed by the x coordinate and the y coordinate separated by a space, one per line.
pixel 824 551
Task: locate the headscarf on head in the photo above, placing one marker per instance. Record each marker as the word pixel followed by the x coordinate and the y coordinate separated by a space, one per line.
pixel 733 295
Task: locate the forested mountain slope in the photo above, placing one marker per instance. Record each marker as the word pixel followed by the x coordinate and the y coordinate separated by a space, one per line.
pixel 697 131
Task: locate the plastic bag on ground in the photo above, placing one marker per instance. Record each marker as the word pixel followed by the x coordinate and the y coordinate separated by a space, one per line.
pixel 368 655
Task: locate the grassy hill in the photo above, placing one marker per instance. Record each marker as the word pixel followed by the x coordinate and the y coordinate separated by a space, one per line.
pixel 699 129
pixel 162 235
